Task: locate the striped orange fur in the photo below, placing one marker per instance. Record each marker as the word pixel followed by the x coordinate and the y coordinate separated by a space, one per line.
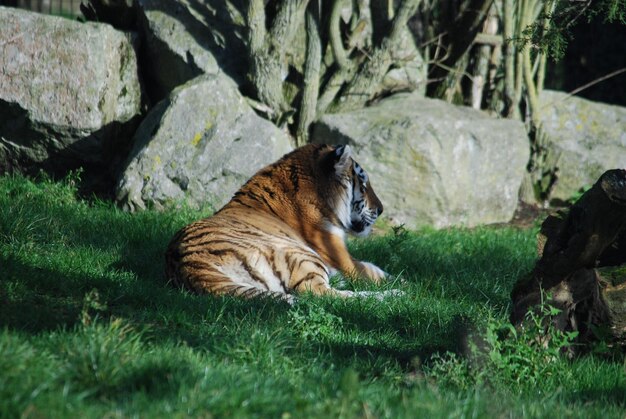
pixel 283 232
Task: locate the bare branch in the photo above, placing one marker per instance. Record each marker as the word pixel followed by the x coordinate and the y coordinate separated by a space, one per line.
pixel 591 83
pixel 335 35
pixel 488 39
pixel 367 80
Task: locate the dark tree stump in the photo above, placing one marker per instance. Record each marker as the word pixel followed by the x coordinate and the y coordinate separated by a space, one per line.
pixel 582 264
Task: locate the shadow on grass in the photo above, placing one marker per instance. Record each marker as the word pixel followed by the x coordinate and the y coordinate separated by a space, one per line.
pixel 35 299
pixel 344 353
pixel 156 379
pixel 611 396
pixel 400 338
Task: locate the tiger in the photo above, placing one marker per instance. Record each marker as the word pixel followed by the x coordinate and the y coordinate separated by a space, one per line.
pixel 283 232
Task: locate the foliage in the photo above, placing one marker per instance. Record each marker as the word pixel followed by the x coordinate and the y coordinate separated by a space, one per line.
pixel 526 357
pixel 611 10
pixel 553 39
pixel 89 328
pixel 578 194
pixel 314 322
pixel 520 360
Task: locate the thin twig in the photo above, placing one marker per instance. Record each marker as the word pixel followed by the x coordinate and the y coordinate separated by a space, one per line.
pixel 433 39
pixel 453 70
pixel 580 13
pixel 590 84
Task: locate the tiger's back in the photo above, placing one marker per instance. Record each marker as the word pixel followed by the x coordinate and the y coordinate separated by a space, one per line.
pixel 283 231
pixel 239 251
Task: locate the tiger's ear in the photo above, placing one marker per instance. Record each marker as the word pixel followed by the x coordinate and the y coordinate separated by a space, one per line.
pixel 342 157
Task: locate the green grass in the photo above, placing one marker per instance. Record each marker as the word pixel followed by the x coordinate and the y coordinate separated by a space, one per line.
pixel 88 328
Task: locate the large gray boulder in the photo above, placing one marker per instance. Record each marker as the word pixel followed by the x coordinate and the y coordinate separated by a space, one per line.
pixel 68 91
pixel 199 145
pixel 586 138
pixel 184 39
pixel 433 163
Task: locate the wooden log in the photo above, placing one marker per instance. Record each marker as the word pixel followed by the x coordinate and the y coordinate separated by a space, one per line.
pixel 582 263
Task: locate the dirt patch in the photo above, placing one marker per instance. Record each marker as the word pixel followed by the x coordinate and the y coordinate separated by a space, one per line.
pixel 529 215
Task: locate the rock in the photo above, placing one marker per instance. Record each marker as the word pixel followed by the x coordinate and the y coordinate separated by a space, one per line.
pixel 433 163
pixel 200 144
pixel 184 40
pixel 587 137
pixel 69 92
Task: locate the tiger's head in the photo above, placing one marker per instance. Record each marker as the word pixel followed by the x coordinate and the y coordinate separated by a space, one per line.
pixel 349 193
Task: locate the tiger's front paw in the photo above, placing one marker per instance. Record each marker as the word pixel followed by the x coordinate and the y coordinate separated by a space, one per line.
pixel 371 271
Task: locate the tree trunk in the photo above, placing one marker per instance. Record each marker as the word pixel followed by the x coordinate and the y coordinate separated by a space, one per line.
pixel 582 265
pixel 310 90
pixel 267 49
pixel 511 109
pixel 482 61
